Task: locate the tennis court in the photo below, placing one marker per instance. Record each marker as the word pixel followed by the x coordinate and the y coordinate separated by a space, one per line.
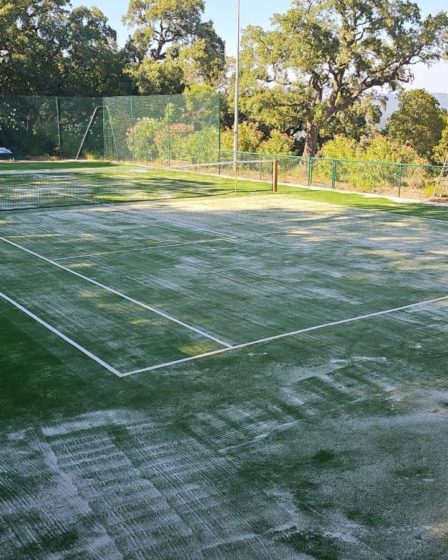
pixel 195 373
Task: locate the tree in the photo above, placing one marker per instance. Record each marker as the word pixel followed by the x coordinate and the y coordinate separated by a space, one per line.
pixel 29 46
pixel 441 150
pixel 172 47
pixel 46 49
pixel 91 63
pixel 322 57
pixel 419 122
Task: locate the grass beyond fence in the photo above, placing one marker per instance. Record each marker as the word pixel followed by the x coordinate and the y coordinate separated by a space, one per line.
pixel 403 180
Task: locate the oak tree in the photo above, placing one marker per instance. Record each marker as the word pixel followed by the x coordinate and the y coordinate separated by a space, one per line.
pixel 173 47
pixel 323 56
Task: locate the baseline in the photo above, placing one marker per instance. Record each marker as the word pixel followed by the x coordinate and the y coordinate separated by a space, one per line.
pixel 286 335
pixel 119 294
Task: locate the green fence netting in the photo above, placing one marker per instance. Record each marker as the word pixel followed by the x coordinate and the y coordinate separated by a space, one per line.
pixel 160 129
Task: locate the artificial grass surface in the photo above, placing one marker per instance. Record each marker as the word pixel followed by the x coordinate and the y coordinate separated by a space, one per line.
pixel 325 445
pixel 113 183
pixel 55 165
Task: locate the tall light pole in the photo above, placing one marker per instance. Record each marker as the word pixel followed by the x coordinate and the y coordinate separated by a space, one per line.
pixel 237 85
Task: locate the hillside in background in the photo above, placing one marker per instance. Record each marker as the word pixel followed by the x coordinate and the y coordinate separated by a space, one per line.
pixel 392 105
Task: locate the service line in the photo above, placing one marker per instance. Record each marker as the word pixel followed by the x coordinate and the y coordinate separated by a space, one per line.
pixel 287 335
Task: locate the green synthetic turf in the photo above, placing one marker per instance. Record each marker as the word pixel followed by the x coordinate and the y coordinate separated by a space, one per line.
pixel 326 445
pixel 109 182
pixel 362 202
pixel 54 165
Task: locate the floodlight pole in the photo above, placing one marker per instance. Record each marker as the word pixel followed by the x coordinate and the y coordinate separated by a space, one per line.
pixel 237 86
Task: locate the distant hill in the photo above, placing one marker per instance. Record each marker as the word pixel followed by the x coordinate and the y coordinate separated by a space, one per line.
pixel 392 105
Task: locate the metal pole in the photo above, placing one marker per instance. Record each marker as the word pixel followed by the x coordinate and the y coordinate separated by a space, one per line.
pixel 133 128
pixel 334 174
pixel 58 116
pixel 237 85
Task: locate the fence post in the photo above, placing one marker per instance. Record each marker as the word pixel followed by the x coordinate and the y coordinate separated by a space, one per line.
pixel 310 171
pixel 219 130
pixel 169 140
pixel 400 179
pixel 275 175
pixel 134 157
pixel 334 174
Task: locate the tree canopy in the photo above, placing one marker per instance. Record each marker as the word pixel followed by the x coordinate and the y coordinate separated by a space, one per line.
pixel 172 46
pixel 319 73
pixel 323 57
pixel 48 49
pixel 419 122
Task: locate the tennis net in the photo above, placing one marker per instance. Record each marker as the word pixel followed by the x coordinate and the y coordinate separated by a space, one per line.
pixel 74 187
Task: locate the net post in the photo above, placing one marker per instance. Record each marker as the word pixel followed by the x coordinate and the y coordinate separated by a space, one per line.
pixel 275 175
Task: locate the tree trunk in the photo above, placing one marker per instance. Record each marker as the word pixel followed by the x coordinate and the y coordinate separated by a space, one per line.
pixel 311 142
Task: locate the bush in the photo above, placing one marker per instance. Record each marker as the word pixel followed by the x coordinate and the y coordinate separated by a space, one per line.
pixel 369 164
pixel 141 139
pixel 340 147
pixel 201 146
pixel 382 148
pixel 249 140
pixel 158 140
pixel 278 143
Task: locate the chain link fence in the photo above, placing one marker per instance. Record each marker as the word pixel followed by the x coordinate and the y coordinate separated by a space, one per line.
pixel 156 129
pixel 399 180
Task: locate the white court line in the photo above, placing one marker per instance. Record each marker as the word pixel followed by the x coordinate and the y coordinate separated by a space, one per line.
pixel 137 249
pixel 119 294
pixel 60 335
pixel 157 217
pixel 286 335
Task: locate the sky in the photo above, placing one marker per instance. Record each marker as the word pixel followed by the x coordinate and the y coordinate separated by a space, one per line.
pixel 259 12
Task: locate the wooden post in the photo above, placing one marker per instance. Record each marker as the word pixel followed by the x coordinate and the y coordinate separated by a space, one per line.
pixel 275 175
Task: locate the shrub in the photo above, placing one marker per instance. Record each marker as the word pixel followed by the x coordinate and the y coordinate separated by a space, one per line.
pixel 249 140
pixel 340 147
pixel 369 164
pixel 278 143
pixel 141 139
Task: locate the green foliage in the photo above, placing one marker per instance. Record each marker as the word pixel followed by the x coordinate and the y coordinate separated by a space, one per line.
pixel 172 47
pixel 197 146
pixel 419 122
pixel 362 119
pixel 370 165
pixel 278 143
pixel 441 150
pixel 141 139
pixel 382 148
pixel 322 58
pixel 152 78
pixel 340 147
pixel 94 65
pixel 249 138
pixel 165 141
pixel 377 148
pixel 49 50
